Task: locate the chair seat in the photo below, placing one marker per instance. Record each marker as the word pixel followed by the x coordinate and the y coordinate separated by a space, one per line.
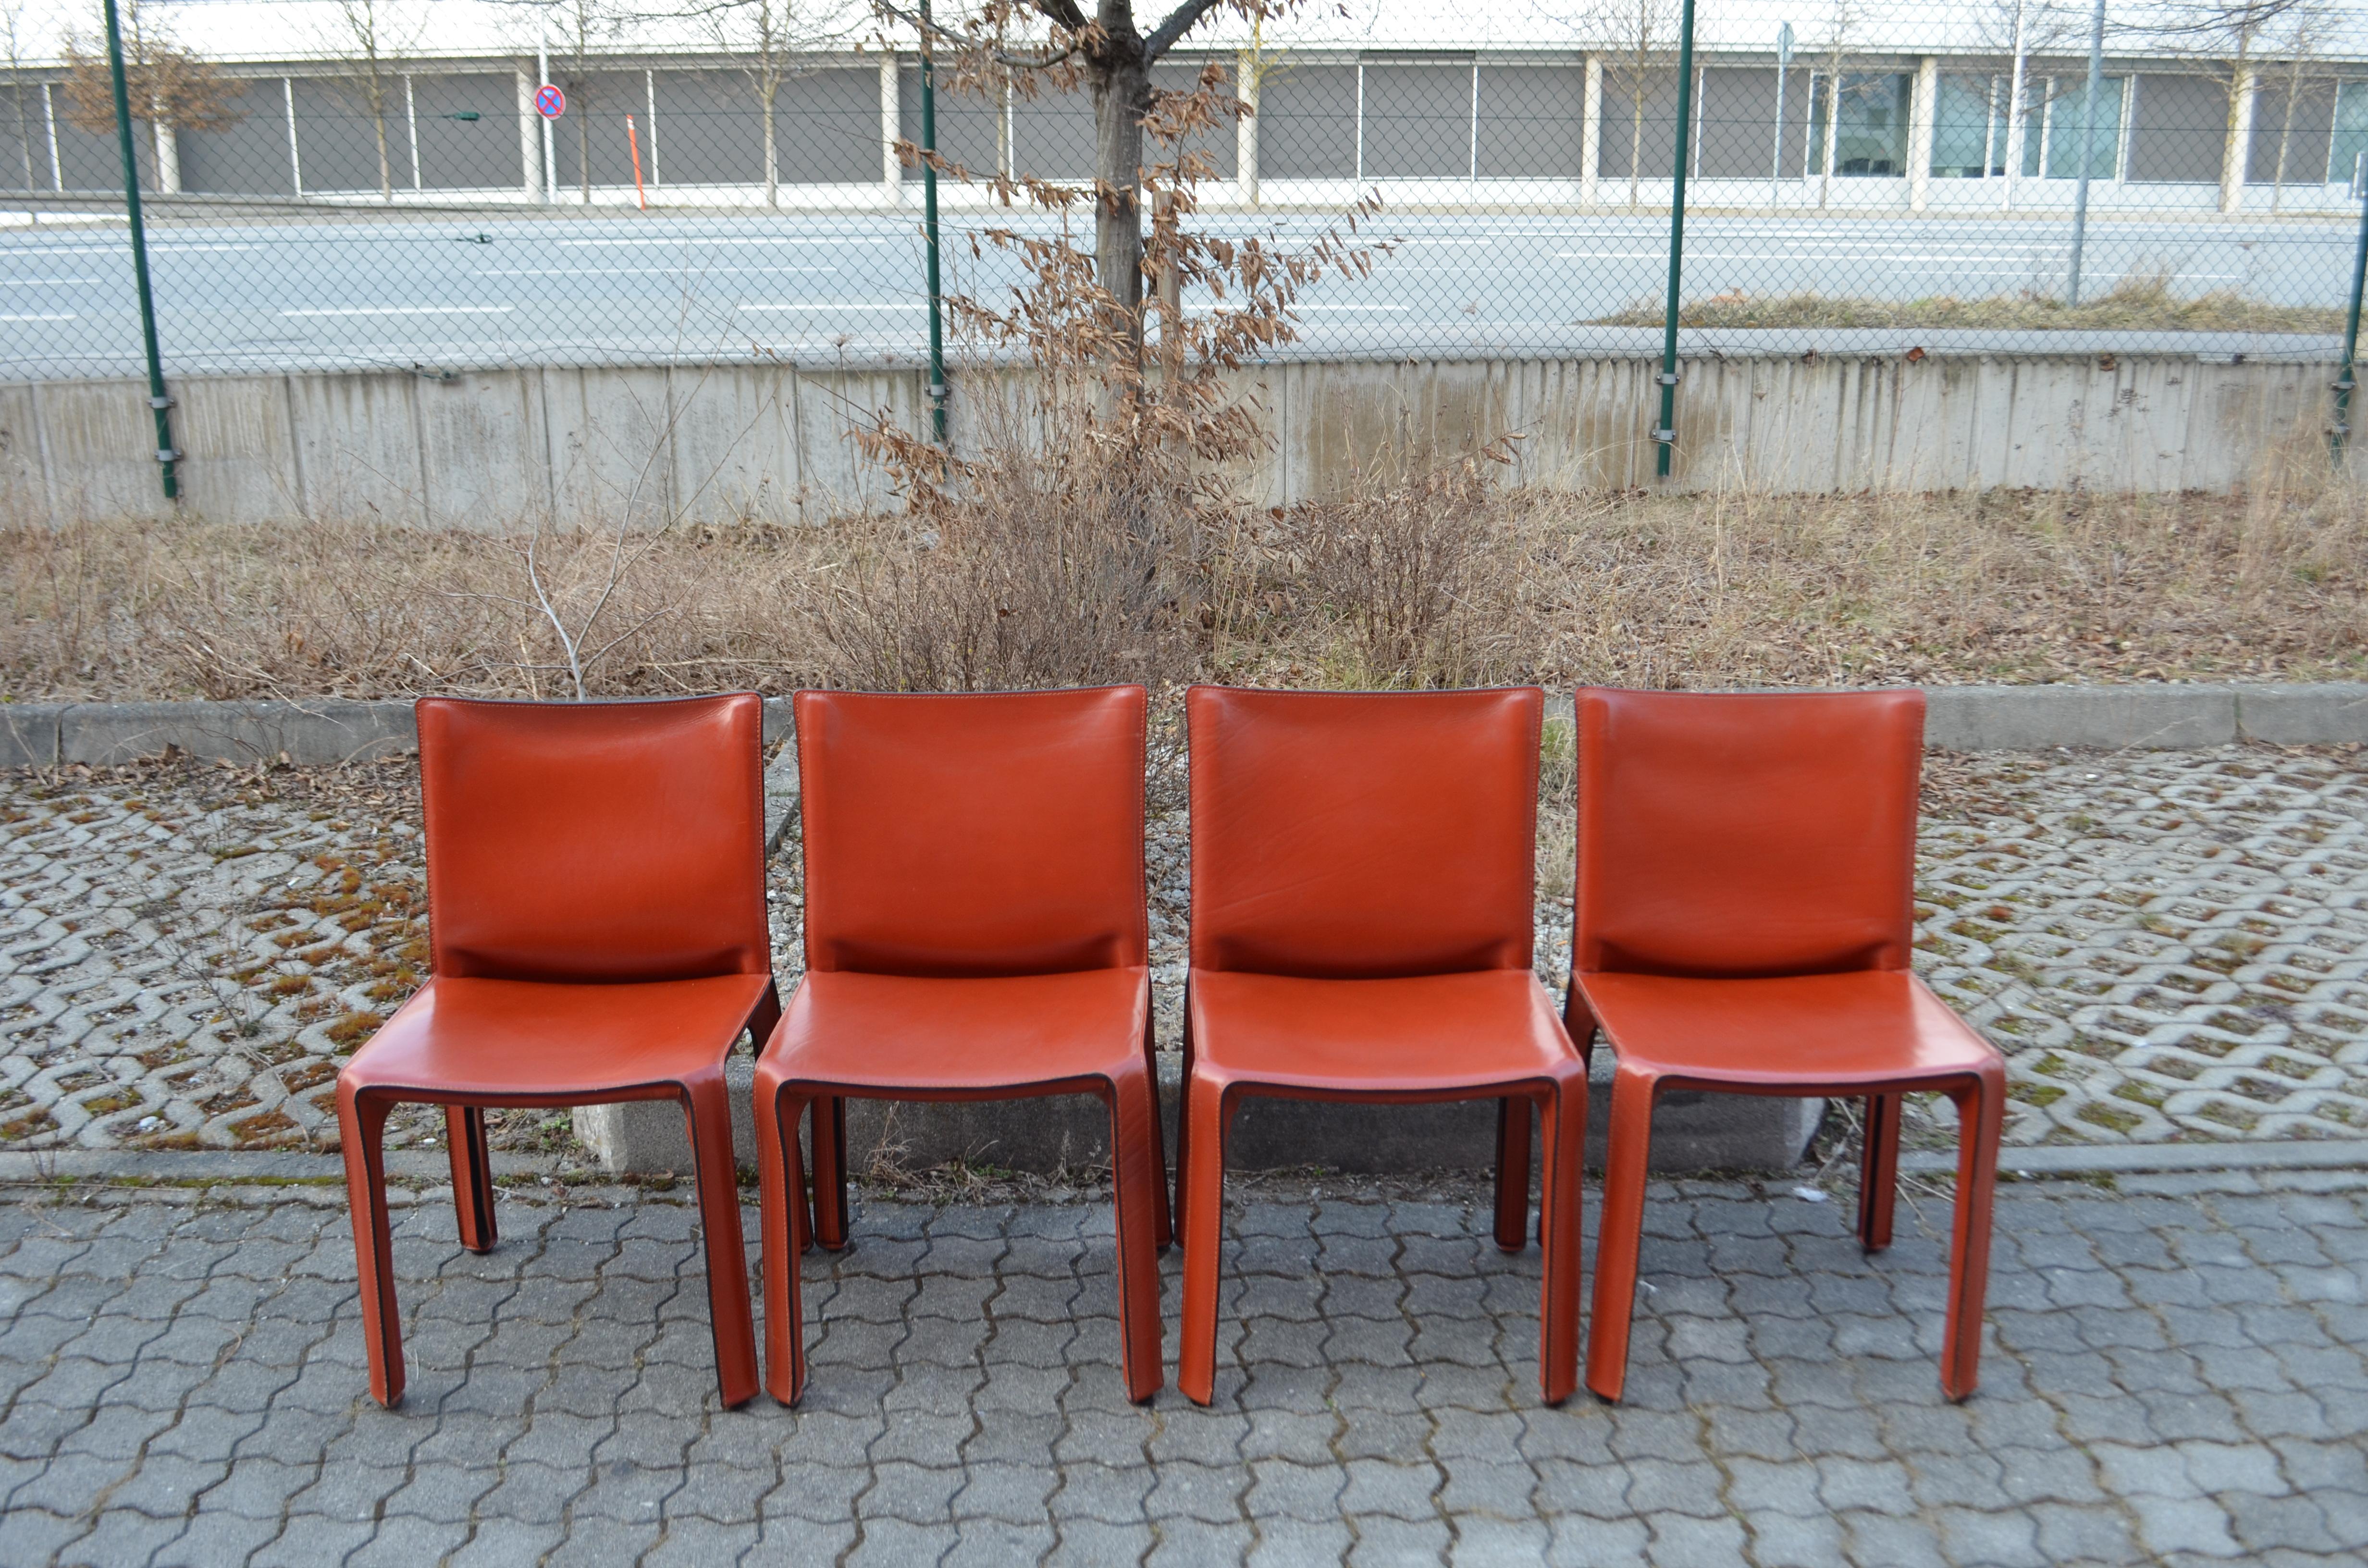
pixel 1410 1036
pixel 516 1037
pixel 1798 1033
pixel 896 1032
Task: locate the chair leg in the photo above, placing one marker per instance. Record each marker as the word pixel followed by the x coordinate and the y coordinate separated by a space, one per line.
pixel 1163 1218
pixel 830 1173
pixel 1513 1173
pixel 1564 1121
pixel 1136 1180
pixel 1616 1244
pixel 362 1132
pixel 1183 1120
pixel 707 1115
pixel 1981 1112
pixel 1204 1215
pixel 1878 1172
pixel 472 1175
pixel 782 1224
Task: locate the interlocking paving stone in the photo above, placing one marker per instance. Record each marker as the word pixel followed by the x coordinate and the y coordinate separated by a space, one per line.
pixel 2126 1431
pixel 2167 946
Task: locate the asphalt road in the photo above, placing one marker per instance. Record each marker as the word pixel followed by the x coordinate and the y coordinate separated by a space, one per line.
pixel 504 287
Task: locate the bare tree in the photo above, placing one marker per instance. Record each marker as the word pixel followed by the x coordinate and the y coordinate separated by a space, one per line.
pixel 581 28
pixel 766 37
pixel 12 37
pixel 2223 42
pixel 369 40
pixel 2020 30
pixel 1842 24
pixel 1035 44
pixel 168 87
pixel 1638 40
pixel 2305 48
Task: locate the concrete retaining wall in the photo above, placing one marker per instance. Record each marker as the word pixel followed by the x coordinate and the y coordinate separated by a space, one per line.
pixel 498 449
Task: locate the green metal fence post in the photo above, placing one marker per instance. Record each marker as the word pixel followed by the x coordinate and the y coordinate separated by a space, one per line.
pixel 2346 378
pixel 1665 435
pixel 157 402
pixel 929 200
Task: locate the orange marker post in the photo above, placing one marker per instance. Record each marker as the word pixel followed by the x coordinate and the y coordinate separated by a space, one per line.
pixel 633 139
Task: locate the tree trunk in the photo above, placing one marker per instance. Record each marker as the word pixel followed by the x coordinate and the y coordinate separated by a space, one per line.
pixel 385 169
pixel 1122 98
pixel 772 152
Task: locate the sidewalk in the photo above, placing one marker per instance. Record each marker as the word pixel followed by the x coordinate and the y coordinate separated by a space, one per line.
pixel 2177 1373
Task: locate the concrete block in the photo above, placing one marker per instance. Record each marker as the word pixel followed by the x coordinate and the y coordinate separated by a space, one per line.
pixel 1692 1132
pixel 325 732
pixel 2317 713
pixel 2034 718
pixel 29 733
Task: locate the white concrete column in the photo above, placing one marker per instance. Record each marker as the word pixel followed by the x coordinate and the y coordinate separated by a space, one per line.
pixel 530 136
pixel 295 152
pixel 1590 132
pixel 2239 150
pixel 1246 72
pixel 1923 111
pixel 168 159
pixel 892 125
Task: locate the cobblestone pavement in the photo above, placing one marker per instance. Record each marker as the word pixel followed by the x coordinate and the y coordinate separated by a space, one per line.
pixel 2169 945
pixel 2175 1375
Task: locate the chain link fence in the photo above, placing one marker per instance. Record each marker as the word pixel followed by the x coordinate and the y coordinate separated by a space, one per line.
pixel 1858 178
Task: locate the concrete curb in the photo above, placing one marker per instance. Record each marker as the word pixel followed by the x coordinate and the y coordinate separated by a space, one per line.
pixel 2161 716
pixel 2128 1159
pixel 313 734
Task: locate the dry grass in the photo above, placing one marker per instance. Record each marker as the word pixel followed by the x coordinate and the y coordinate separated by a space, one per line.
pixel 1445 580
pixel 2141 301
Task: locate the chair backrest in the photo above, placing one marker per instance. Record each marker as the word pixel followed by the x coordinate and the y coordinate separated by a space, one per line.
pixel 1352 835
pixel 1760 834
pixel 594 841
pixel 989 835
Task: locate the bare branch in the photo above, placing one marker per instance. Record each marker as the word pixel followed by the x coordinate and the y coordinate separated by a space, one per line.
pixel 1179 21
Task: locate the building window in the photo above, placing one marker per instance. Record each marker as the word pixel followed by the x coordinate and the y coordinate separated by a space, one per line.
pixel 2063 121
pixel 2349 148
pixel 1869 135
pixel 1969 128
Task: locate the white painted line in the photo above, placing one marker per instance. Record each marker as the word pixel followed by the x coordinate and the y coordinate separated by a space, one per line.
pixel 68 316
pixel 36 282
pixel 117 250
pixel 683 271
pixel 404 311
pixel 1350 307
pixel 844 305
pixel 761 240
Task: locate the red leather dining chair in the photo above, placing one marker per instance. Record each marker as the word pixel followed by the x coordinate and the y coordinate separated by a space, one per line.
pixel 1745 909
pixel 596 907
pixel 1363 871
pixel 975 929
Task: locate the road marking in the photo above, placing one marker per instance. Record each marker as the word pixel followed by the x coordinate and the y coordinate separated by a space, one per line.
pixel 117 250
pixel 632 271
pixel 844 305
pixel 759 240
pixel 404 311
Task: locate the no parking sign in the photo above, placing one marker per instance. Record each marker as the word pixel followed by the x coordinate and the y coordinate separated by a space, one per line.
pixel 550 102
